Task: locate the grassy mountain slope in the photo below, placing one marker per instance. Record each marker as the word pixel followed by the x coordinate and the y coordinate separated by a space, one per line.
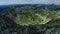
pixel 35 14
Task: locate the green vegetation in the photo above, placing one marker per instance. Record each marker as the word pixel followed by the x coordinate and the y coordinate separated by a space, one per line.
pixel 26 15
pixel 30 19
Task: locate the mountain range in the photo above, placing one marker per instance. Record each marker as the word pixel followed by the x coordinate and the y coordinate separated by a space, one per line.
pixel 4 6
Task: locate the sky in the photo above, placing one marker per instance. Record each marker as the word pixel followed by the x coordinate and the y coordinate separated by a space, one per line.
pixel 7 2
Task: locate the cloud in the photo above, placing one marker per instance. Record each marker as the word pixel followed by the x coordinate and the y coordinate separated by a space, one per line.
pixel 6 2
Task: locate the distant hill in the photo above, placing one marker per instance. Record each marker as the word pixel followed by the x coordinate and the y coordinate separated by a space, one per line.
pixel 50 7
pixel 4 6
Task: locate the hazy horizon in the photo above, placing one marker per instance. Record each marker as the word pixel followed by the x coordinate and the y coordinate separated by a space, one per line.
pixel 9 2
